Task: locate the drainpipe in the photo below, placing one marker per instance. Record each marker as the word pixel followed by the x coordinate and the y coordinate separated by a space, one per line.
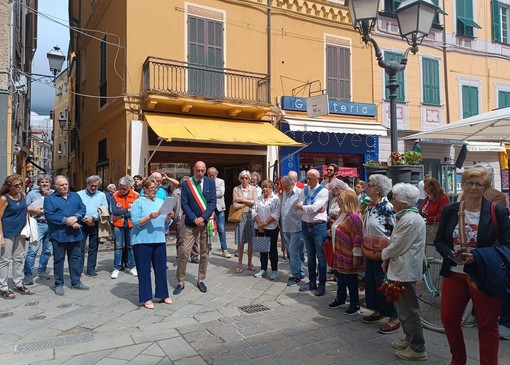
pixel 445 70
pixel 269 51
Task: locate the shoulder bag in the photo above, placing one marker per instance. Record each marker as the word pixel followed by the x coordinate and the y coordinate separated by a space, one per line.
pixel 234 215
pixel 372 246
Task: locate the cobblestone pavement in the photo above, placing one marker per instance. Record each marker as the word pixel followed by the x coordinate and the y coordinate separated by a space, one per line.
pixel 106 325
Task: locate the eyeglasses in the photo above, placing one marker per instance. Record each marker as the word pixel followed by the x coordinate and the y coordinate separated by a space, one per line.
pixel 471 184
pixel 19 185
pixel 152 188
pixel 245 178
pixel 371 186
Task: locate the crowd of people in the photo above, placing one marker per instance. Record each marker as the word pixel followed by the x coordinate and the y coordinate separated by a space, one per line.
pixel 305 216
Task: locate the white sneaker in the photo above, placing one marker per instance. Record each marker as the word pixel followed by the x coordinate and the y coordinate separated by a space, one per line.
pixel 115 274
pixel 226 254
pixel 133 272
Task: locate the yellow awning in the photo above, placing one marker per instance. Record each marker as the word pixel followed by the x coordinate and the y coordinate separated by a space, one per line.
pixel 177 128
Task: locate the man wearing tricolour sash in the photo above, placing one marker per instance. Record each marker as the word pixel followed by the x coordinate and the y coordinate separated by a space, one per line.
pixel 198 202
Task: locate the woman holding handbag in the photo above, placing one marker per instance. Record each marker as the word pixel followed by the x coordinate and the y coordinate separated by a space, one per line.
pixel 244 198
pixel 13 218
pixel 265 213
pixel 379 220
pixel 465 226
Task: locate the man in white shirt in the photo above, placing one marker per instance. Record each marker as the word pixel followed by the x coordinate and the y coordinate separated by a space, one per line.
pixel 312 204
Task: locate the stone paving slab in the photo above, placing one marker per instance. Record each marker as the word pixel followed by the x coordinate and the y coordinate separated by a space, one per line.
pixel 200 328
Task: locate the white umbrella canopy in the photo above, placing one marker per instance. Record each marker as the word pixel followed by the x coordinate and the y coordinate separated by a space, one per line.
pixel 492 126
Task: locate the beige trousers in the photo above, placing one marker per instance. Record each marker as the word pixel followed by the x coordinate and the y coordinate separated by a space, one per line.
pixel 192 235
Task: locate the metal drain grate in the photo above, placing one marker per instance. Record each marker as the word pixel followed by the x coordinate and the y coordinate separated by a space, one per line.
pixel 254 308
pixel 56 342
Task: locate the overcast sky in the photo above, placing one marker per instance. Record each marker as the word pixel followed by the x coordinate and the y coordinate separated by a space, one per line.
pixel 49 34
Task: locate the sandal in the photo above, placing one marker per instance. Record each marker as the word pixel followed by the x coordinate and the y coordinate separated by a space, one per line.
pixel 167 300
pixel 148 304
pixel 7 294
pixel 252 268
pixel 239 269
pixel 23 290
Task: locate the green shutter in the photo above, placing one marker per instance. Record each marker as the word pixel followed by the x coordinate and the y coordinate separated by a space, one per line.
pixel 503 99
pixel 400 77
pixel 496 22
pixel 469 101
pixel 431 94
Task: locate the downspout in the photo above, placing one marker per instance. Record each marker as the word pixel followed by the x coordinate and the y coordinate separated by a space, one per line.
pixel 269 51
pixel 445 70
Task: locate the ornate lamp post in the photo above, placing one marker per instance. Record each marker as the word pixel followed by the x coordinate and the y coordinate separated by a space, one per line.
pixel 415 19
pixel 56 60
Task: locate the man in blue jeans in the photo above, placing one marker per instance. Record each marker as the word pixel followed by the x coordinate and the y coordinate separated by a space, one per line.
pixel 36 197
pixel 292 229
pixel 93 200
pixel 64 211
pixel 212 172
pixel 313 201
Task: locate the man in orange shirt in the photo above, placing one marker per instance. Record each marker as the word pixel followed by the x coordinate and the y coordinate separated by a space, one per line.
pixel 122 225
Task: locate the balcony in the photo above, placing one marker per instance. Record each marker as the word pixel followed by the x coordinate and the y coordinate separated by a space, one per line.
pixel 181 79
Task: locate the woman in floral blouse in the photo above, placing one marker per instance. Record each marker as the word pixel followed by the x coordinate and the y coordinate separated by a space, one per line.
pixel 379 220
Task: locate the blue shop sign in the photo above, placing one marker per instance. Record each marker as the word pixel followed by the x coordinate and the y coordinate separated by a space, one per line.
pixel 335 106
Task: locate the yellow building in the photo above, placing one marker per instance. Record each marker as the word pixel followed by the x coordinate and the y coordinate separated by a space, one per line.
pixel 459 71
pixel 165 86
pixel 62 127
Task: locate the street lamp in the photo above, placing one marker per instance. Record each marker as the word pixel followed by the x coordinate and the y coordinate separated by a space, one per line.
pixel 56 59
pixel 415 19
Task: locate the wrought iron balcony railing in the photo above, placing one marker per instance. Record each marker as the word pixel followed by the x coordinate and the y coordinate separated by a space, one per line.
pixel 182 78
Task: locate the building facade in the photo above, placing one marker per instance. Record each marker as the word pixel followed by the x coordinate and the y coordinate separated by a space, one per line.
pixel 201 79
pixel 18 42
pixel 220 82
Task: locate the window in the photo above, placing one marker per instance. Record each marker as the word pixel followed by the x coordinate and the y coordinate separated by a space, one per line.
pixel 102 155
pixel 205 56
pixel 391 5
pixel 500 20
pixel 469 101
pixel 338 72
pixel 431 92
pixel 503 99
pixel 102 73
pixel 465 19
pixel 397 57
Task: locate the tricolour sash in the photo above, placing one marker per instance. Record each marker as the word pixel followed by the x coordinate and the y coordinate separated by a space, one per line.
pixel 194 186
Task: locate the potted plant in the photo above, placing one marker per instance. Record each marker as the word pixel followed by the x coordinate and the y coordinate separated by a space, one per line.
pixel 375 167
pixel 405 167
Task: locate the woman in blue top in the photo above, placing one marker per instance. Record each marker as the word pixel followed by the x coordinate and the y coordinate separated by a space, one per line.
pixel 13 217
pixel 149 244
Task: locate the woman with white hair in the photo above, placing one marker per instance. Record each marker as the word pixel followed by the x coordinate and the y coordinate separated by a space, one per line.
pixel 403 262
pixel 378 223
pixel 244 198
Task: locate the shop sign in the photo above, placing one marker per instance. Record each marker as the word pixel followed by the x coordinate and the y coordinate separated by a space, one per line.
pixel 335 106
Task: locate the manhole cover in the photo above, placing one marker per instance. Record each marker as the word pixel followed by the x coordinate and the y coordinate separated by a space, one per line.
pixel 31 304
pixel 6 314
pixel 65 305
pixel 35 318
pixel 254 308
